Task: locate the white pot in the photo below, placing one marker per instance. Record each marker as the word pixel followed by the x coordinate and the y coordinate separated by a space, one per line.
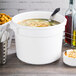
pixel 38 45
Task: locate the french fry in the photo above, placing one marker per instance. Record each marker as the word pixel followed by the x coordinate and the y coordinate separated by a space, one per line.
pixel 2 23
pixel 2 19
pixel 5 17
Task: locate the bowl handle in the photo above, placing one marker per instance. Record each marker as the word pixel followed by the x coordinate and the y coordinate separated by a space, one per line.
pixel 12 26
pixel 10 34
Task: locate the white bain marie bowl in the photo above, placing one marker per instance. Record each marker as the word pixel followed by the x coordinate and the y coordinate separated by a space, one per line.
pixel 38 45
pixel 69 61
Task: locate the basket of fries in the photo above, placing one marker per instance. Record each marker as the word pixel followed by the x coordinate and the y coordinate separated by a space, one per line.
pixel 4 36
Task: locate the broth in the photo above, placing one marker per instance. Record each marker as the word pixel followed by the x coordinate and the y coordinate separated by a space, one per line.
pixel 38 22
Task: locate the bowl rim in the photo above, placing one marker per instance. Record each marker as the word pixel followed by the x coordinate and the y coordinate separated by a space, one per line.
pixel 64 22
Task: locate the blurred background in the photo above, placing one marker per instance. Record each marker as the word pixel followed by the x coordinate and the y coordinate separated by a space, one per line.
pixel 13 7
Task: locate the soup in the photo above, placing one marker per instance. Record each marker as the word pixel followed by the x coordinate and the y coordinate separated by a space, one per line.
pixel 38 22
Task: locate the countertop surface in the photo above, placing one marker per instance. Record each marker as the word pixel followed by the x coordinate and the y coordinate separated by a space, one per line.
pixel 14 67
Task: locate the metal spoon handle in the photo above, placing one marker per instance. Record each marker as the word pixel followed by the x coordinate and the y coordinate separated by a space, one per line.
pixel 55 11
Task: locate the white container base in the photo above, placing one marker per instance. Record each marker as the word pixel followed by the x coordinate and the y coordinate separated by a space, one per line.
pixel 38 45
pixel 38 63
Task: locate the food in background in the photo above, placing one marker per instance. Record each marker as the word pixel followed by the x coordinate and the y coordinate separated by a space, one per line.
pixel 71 54
pixel 38 22
pixel 74 38
pixel 68 29
pixel 4 18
